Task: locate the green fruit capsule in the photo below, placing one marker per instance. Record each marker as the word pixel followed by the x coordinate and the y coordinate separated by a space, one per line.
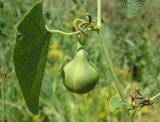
pixel 80 75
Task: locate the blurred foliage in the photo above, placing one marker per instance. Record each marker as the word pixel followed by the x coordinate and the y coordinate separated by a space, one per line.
pixel 133 7
pixel 134 45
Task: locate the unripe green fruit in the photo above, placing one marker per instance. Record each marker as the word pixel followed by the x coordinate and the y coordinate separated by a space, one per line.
pixel 80 75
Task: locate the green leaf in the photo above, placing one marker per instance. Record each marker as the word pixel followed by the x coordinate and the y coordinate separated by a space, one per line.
pixel 115 103
pixel 133 7
pixel 30 55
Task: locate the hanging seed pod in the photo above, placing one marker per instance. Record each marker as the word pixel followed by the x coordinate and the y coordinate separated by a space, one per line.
pixel 80 75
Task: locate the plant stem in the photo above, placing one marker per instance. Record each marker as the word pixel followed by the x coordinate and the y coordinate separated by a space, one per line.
pixel 116 80
pixel 154 97
pixel 107 55
pixel 131 118
pixel 3 102
pixel 99 14
pixel 109 61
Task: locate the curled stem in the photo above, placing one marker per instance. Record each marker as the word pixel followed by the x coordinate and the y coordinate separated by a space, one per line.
pixel 62 32
pixel 77 25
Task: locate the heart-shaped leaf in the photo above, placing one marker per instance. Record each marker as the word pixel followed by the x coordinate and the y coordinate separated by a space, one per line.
pixel 30 55
pixel 115 103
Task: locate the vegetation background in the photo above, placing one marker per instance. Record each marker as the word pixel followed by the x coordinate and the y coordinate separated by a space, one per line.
pixel 134 45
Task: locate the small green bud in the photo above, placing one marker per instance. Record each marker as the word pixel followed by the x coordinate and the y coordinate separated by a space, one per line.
pixel 80 75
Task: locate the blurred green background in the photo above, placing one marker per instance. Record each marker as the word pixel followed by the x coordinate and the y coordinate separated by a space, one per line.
pixel 134 45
